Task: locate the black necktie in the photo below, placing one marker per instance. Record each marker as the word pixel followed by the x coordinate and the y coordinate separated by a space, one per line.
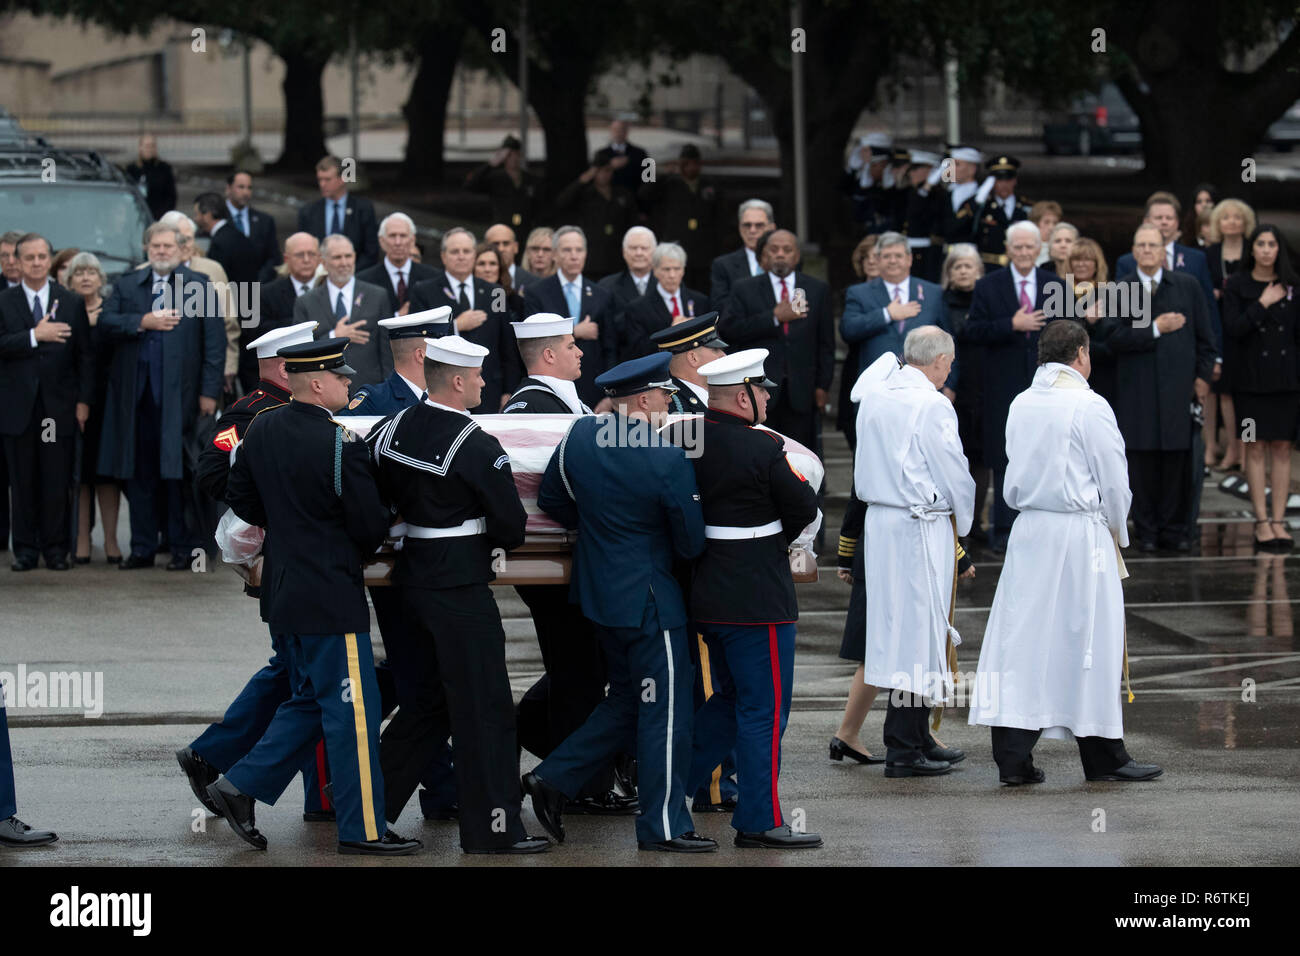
pixel 463 299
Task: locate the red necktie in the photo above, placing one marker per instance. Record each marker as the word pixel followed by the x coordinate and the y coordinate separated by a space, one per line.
pixel 676 311
pixel 401 288
pixel 785 297
pixel 1024 298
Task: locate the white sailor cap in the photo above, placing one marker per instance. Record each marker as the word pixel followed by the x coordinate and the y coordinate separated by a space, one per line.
pixel 738 368
pixel 920 157
pixel 453 350
pixel 543 325
pixel 426 324
pixel 269 344
pixel 967 154
pixel 876 140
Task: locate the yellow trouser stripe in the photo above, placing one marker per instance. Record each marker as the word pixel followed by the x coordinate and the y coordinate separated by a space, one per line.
pixel 363 738
pixel 706 677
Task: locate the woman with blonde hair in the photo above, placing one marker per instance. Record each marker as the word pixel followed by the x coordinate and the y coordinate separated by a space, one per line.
pixel 1231 221
pixel 1058 248
pixel 1087 264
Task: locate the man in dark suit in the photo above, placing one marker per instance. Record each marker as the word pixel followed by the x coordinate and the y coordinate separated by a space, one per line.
pixel 506 242
pixel 235 253
pixel 634 281
pixel 344 307
pixel 397 272
pixel 302 256
pixel 1006 315
pixel 10 270
pixel 879 313
pixel 999 210
pixel 154 178
pixel 569 293
pixel 338 211
pixel 686 209
pixel 257 226
pixel 167 370
pixel 667 303
pixel 479 315
pixel 47 371
pixel 756 220
pixel 788 313
pixel 628 158
pixel 1165 353
pixel 604 210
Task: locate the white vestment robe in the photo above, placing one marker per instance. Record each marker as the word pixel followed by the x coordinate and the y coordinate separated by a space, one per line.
pixel 1053 649
pixel 911 472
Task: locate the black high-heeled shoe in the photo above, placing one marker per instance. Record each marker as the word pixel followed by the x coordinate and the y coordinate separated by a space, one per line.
pixel 80 560
pixel 113 559
pixel 839 750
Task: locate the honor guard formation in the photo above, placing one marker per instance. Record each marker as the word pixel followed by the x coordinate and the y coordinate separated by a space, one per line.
pixel 361 447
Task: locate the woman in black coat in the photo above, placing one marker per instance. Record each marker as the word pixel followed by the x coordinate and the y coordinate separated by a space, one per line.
pixel 961 270
pixel 1231 222
pixel 1260 313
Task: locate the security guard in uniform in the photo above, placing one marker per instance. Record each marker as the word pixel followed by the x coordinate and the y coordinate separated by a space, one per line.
pixel 304 478
pixel 999 210
pixel 218 748
pixel 632 498
pixel 742 595
pixel 451 483
pixel 404 388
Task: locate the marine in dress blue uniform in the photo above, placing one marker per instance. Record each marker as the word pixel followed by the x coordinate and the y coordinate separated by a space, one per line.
pixel 742 595
pixel 218 748
pixel 305 478
pixel 634 503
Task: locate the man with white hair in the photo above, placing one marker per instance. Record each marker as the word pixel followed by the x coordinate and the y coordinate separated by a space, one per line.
pixel 920 497
pixel 669 304
pixel 397 272
pixel 634 281
pixel 186 229
pixel 1053 650
pixel 755 219
pixel 1006 315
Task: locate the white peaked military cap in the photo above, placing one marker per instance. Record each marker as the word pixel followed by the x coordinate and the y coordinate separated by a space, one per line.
pixel 453 350
pixel 739 368
pixel 967 154
pixel 876 140
pixel 543 325
pixel 270 343
pixel 418 324
pixel 920 157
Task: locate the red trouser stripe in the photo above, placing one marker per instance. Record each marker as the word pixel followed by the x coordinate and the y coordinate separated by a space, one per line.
pixel 322 776
pixel 777 817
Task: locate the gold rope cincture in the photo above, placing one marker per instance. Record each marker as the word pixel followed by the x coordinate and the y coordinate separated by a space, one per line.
pixel 936 717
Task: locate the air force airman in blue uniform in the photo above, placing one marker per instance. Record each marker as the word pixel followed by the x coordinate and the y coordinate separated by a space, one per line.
pixel 305 478
pixel 633 499
pixel 405 387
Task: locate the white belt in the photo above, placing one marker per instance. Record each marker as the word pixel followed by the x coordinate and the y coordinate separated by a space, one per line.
pixel 719 533
pixel 464 529
pixel 919 243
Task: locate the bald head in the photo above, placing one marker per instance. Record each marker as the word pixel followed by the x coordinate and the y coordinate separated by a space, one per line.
pixel 302 255
pixel 502 238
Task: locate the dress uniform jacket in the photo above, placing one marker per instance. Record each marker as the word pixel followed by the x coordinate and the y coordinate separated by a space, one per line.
pixel 387 398
pixel 684 401
pixel 305 478
pixel 214 461
pixel 536 398
pixel 746 481
pixel 991 228
pixel 599 354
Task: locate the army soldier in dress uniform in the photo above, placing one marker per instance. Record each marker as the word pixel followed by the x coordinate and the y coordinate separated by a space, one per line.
pixel 451 483
pixel 999 210
pixel 632 498
pixel 691 343
pixel 304 478
pixel 742 595
pixel 406 387
pixel 246 719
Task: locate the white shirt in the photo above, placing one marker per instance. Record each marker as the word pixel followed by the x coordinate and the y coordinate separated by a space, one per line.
pixel 640 281
pixel 301 287
pixel 514 282
pixel 46 292
pixel 347 291
pixel 446 408
pixel 668 299
pixel 1147 281
pixel 237 216
pixel 1009 206
pixel 960 192
pixel 1169 254
pixel 404 270
pixel 753 261
pixel 700 391
pixel 1031 284
pixel 567 391
pixel 455 285
pixel 216 227
pixel 890 290
pixel 419 392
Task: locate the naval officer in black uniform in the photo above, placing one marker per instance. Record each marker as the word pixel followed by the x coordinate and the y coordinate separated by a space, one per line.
pixel 219 747
pixel 742 595
pixel 451 483
pixel 632 498
pixel 305 478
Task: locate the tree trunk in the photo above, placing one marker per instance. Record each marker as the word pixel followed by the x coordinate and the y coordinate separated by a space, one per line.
pixel 426 107
pixel 559 97
pixel 304 111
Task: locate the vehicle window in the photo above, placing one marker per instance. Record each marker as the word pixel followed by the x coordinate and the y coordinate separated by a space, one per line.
pixel 109 223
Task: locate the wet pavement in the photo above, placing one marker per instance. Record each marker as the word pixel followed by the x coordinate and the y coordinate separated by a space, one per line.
pixel 1215 667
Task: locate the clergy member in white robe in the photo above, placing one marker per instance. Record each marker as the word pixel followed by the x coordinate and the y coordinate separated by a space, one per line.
pixel 911 472
pixel 1053 650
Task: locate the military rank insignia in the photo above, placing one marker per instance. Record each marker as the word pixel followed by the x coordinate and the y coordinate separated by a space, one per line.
pixel 227 440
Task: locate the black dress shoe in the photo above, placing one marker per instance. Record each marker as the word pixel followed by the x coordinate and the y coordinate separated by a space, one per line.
pixel 133 561
pixel 1020 779
pixel 780 838
pixel 529 844
pixel 690 842
pixel 18 835
pixel 85 560
pixel 918 768
pixel 238 809
pixel 548 805
pixel 442 814
pixel 200 774
pixel 1131 772
pixel 950 754
pixel 319 816
pixel 608 804
pixel 840 750
pixel 728 805
pixel 114 559
pixel 625 774
pixel 58 564
pixel 24 564
pixel 178 562
pixel 390 844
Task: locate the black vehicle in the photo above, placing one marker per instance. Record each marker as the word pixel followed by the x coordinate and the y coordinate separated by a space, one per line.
pixel 1096 123
pixel 73 197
